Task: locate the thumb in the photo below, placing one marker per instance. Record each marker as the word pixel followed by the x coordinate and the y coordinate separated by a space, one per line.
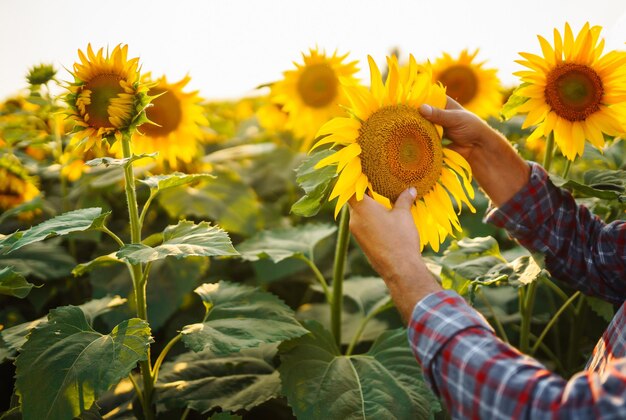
pixel 406 199
pixel 436 115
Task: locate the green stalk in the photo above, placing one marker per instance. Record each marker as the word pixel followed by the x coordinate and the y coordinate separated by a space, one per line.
pixel 547 159
pixel 496 321
pixel 159 360
pixel 553 321
pixel 568 165
pixel 139 283
pixel 527 306
pixel 341 252
pixel 319 276
pixel 364 322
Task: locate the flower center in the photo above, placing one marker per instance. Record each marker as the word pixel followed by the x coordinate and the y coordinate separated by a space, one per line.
pixel 399 149
pixel 460 82
pixel 103 87
pixel 317 85
pixel 165 111
pixel 574 91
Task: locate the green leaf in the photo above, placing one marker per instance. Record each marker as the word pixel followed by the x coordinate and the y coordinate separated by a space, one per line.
pixel 73 221
pixel 279 244
pixel 176 179
pixel 245 151
pixel 604 184
pixel 239 317
pixel 15 337
pixel 98 262
pixel 43 260
pixel 227 200
pixel 509 110
pixel 233 382
pixel 109 161
pixel 601 307
pixel 13 284
pixel 183 240
pixel 386 382
pixel 316 184
pixel 78 363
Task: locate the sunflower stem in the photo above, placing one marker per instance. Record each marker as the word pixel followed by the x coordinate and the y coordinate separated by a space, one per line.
pixel 547 159
pixel 137 274
pixel 527 305
pixel 568 165
pixel 341 252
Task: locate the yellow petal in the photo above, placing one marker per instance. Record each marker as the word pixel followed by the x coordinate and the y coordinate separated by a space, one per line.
pixel 347 178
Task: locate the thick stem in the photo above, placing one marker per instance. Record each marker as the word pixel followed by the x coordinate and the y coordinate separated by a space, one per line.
pixel 527 313
pixel 139 283
pixel 341 252
pixel 547 159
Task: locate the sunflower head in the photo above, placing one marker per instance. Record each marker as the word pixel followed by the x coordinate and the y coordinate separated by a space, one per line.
pixel 387 147
pixel 469 83
pixel 311 94
pixel 107 97
pixel 174 127
pixel 16 186
pixel 573 91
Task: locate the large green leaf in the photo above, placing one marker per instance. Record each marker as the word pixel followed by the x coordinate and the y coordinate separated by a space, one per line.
pixel 386 382
pixel 227 200
pixel 176 179
pixel 316 184
pixel 13 283
pixel 43 260
pixel 73 221
pixel 240 317
pixel 233 382
pixel 14 337
pixel 279 244
pixel 186 239
pixel 77 362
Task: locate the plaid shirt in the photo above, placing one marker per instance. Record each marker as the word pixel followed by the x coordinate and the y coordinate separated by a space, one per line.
pixel 478 375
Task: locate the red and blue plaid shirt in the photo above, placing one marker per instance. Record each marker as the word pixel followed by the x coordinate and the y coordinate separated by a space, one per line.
pixel 480 376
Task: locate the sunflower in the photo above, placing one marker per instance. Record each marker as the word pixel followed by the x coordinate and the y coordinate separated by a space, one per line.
pixel 107 97
pixel 310 95
pixel 16 186
pixel 476 88
pixel 388 146
pixel 573 90
pixel 177 118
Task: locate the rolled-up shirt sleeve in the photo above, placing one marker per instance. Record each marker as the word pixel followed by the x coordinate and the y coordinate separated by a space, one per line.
pixel 579 248
pixel 481 377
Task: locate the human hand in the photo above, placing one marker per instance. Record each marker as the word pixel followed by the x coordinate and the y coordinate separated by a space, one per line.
pixel 467 131
pixel 391 243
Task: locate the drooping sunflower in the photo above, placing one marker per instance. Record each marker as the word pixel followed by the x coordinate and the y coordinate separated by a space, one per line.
pixel 310 94
pixel 477 88
pixel 177 117
pixel 16 186
pixel 107 96
pixel 573 90
pixel 387 146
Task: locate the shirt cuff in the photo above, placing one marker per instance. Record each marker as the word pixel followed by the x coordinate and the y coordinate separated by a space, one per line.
pixel 436 319
pixel 529 208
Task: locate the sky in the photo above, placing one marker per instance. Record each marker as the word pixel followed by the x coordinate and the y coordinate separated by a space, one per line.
pixel 229 47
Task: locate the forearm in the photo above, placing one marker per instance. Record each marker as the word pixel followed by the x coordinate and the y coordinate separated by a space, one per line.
pixel 497 167
pixel 409 283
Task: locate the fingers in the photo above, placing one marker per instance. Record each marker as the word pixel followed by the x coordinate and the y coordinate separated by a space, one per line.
pixel 406 199
pixel 436 115
pixel 452 104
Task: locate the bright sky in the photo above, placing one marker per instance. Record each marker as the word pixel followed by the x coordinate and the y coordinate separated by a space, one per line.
pixel 231 46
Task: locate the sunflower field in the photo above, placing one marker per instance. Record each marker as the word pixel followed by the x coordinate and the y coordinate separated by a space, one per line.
pixel 163 255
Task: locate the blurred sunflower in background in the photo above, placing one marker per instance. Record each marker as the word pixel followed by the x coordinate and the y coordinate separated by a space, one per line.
pixel 310 94
pixel 573 91
pixel 16 186
pixel 107 96
pixel 177 118
pixel 476 88
pixel 387 146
